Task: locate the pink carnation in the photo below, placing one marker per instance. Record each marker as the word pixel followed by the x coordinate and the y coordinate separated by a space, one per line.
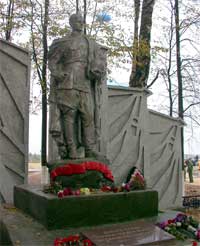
pixel 198 234
pixel 60 194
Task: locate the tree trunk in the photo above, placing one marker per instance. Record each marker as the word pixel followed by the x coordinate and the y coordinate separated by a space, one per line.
pixel 135 41
pixel 77 6
pixel 143 54
pixel 179 75
pixel 9 20
pixel 44 85
pixel 84 15
pixel 170 62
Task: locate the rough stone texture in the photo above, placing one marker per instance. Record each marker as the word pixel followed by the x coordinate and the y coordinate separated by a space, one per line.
pixel 97 209
pixel 16 228
pixel 127 127
pixel 14 105
pixel 146 139
pixel 165 159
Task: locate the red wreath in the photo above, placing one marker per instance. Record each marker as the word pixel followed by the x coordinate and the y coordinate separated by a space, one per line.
pixel 70 169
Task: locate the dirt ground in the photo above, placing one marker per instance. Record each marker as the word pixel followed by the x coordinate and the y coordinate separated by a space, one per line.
pixel 193 188
pixel 34 173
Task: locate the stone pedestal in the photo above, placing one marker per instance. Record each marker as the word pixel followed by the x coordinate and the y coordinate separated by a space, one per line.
pixel 85 210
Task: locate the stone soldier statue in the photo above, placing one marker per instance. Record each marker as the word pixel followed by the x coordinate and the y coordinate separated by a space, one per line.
pixel 77 65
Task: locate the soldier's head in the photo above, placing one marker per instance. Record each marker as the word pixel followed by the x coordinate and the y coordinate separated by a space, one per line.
pixel 76 22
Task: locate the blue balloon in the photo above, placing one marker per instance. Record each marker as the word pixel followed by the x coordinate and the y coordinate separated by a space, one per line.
pixel 103 17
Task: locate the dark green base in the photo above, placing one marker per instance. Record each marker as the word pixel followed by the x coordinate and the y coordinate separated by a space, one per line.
pixel 81 211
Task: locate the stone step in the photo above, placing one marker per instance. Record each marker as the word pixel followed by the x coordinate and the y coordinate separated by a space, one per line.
pixel 17 228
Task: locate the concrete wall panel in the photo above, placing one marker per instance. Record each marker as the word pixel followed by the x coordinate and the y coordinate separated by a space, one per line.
pixel 14 107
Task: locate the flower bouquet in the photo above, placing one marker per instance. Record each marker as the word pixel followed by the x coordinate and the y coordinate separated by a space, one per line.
pixel 135 181
pixel 182 227
pixel 90 174
pixel 72 240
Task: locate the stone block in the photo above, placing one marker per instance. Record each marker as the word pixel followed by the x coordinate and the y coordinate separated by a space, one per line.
pixel 85 210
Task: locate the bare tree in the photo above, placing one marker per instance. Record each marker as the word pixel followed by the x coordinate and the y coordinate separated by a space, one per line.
pixel 41 65
pixel 77 6
pixel 9 20
pixel 13 18
pixel 179 74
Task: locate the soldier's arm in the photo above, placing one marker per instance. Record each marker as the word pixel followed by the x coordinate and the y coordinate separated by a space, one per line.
pixel 100 67
pixel 55 55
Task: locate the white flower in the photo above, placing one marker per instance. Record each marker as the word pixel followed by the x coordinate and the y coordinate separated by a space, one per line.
pixel 123 185
pixel 167 228
pixel 191 228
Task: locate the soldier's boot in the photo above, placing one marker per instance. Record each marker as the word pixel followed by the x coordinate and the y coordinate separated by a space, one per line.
pixel 90 145
pixel 62 151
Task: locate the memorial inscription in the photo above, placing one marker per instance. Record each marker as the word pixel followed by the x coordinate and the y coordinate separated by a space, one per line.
pixel 133 233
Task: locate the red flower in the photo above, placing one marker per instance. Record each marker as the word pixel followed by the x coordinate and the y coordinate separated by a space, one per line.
pixel 198 234
pixel 69 169
pixel 139 176
pixel 73 238
pixel 87 242
pixel 53 174
pixel 77 193
pixel 106 188
pixel 194 244
pixel 115 189
pixel 170 221
pixel 65 240
pixel 60 194
pixel 58 242
pixel 67 192
pixel 127 187
pixel 77 168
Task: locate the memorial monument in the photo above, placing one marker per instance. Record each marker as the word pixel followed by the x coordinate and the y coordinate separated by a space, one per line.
pixel 132 135
pixel 78 69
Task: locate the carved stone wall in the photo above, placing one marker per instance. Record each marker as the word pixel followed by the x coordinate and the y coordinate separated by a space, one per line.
pixel 146 139
pixel 165 160
pixel 127 130
pixel 14 104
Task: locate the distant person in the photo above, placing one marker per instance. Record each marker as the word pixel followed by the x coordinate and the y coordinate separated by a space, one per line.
pixel 196 159
pixel 190 170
